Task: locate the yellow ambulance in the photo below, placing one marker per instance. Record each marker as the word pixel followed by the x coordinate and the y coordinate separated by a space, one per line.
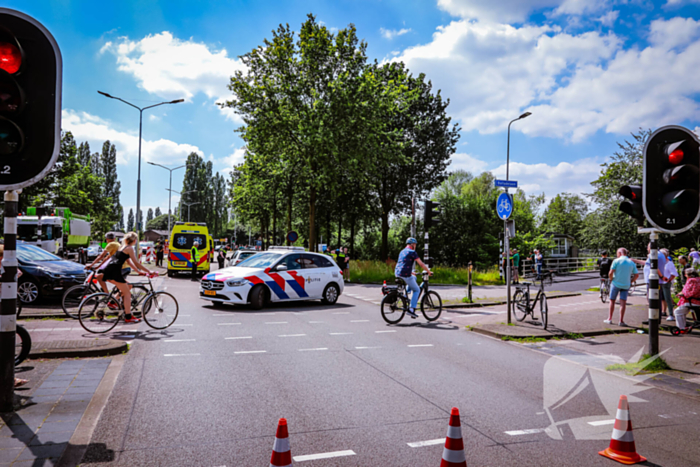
pixel 182 238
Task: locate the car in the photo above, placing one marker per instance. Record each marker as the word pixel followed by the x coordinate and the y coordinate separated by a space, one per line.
pixel 241 255
pixel 93 251
pixel 44 274
pixel 276 275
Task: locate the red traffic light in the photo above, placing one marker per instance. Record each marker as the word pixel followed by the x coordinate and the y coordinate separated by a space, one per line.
pixel 10 57
pixel 674 152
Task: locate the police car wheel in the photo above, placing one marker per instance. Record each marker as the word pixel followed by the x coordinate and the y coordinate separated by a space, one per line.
pixel 257 297
pixel 330 294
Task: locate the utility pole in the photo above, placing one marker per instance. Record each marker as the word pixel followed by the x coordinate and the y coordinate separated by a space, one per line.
pixel 413 216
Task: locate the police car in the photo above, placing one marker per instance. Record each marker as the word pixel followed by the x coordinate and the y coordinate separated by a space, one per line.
pixel 276 275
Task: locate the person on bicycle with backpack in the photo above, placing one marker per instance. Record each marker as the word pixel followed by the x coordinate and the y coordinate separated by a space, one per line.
pixel 404 270
pixel 604 264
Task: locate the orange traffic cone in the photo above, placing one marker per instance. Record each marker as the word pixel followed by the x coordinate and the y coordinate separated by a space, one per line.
pixel 281 455
pixel 622 447
pixel 453 454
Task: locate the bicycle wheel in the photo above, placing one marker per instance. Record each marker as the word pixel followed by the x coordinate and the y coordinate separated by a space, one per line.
pixel 72 299
pixel 519 305
pixel 99 313
pixel 393 308
pixel 23 344
pixel 544 310
pixel 549 279
pixel 603 292
pixel 138 299
pixel 431 306
pixel 161 310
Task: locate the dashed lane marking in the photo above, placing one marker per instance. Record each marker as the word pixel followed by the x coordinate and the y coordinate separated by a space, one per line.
pixel 276 322
pixel 430 442
pixel 181 354
pixel 227 324
pixel 291 335
pixel 381 332
pixel 250 351
pixel 238 337
pixel 602 422
pixel 323 455
pixel 339 333
pixel 179 340
pixel 310 350
pixel 420 345
pixel 315 322
pixel 365 348
pixel 359 321
pixel 526 432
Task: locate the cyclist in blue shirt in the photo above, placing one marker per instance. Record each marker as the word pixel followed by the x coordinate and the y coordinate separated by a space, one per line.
pixel 404 270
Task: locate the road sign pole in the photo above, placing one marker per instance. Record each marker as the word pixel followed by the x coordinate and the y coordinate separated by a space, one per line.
pixel 654 302
pixel 506 238
pixel 8 316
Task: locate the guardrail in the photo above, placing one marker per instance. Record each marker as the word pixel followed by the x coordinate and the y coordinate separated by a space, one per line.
pixel 565 266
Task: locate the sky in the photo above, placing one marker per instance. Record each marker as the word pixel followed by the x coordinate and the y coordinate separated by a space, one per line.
pixel 590 71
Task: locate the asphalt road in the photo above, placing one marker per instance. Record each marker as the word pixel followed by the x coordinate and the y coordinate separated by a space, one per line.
pixel 209 391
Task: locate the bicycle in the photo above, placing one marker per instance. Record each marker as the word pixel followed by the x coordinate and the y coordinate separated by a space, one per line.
pixel 604 289
pixel 73 296
pixel 525 307
pixel 101 312
pixel 392 312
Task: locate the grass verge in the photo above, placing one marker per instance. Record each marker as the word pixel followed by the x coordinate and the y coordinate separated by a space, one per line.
pixel 647 364
pixel 378 271
pixel 524 340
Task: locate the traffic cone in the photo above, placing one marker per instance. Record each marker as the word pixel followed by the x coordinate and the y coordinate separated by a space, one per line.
pixel 453 454
pixel 622 447
pixel 281 455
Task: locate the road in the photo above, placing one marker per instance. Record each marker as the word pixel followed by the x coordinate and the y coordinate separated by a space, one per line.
pixel 209 391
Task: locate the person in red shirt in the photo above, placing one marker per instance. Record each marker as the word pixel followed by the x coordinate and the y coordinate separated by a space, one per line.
pixel 690 293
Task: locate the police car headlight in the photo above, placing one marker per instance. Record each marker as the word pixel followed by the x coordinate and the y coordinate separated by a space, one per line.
pixel 236 282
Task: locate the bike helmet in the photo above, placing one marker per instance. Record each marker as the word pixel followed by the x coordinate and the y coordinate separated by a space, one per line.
pixel 410 241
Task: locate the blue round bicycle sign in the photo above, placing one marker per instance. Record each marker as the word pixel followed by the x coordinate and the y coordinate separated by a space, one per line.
pixel 504 206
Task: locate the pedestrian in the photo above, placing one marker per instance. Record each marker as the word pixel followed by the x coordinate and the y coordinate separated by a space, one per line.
pixel 516 264
pixel 683 263
pixel 194 259
pixel 346 265
pixel 221 258
pixel 159 254
pixel 670 273
pixel 661 262
pixel 623 272
pixel 604 264
pixel 695 256
pixel 690 292
pixel 539 259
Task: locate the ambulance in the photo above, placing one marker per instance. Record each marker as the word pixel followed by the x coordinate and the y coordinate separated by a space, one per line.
pixel 182 238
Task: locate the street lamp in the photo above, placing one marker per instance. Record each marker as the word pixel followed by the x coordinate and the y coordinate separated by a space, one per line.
pixel 506 238
pixel 188 208
pixel 171 185
pixel 181 195
pixel 138 181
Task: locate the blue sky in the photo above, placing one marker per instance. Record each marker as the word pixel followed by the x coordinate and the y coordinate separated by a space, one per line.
pixel 590 71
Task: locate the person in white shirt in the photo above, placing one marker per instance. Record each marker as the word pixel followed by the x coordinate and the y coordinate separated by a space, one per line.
pixel 670 272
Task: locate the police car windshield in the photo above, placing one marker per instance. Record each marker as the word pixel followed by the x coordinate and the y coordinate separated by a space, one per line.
pixel 260 260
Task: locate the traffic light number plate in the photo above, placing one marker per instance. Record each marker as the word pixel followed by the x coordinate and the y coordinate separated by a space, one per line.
pixel 670 221
pixel 5 170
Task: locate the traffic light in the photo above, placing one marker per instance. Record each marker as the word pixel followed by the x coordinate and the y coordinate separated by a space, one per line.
pixel 632 206
pixel 30 100
pixel 432 211
pixel 671 185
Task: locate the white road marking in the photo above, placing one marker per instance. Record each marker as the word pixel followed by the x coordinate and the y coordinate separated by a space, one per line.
pixel 365 348
pixel 323 455
pixel 369 299
pixel 226 324
pixel 351 294
pixel 250 351
pixel 315 322
pixel 430 442
pixel 339 333
pixel 179 340
pixel 185 315
pixel 341 313
pixel 238 337
pixel 291 335
pixel 602 422
pixel 180 354
pixel 359 321
pixel 276 322
pixel 526 432
pixel 421 345
pixel 62 329
pixel 307 350
pixel 380 332
pixel 377 303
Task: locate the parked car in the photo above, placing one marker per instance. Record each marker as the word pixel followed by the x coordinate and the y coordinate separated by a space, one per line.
pixel 44 274
pixel 93 251
pixel 241 255
pixel 275 275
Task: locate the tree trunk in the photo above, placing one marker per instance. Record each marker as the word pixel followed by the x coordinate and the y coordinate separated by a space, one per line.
pixel 274 220
pixel 340 230
pixel 384 251
pixel 289 210
pixel 352 237
pixel 329 234
pixel 312 218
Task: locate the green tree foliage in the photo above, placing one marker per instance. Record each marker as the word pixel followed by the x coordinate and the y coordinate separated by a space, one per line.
pixel 565 214
pixel 130 221
pixel 112 185
pixel 149 215
pixel 208 196
pixel 160 222
pixel 158 213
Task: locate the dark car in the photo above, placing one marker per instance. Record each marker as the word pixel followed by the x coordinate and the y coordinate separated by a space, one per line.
pixel 44 274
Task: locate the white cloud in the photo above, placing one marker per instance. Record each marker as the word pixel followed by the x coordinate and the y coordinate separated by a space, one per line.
pixel 235 158
pixel 173 68
pixel 676 3
pixel 580 7
pixel 86 127
pixel 575 85
pixel 461 161
pixel 572 177
pixel 391 33
pixel 506 11
pixel 609 18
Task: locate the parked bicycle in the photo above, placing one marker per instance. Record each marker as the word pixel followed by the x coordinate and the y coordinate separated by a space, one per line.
pixel 73 296
pixel 604 290
pixel 101 312
pixel 395 303
pixel 524 306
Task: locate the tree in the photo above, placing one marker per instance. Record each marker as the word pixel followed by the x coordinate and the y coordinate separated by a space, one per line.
pixel 130 221
pixel 158 213
pixel 566 215
pixel 149 215
pixel 159 222
pixel 112 186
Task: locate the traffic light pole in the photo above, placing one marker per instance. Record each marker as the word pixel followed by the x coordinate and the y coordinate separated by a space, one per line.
pixel 8 313
pixel 654 302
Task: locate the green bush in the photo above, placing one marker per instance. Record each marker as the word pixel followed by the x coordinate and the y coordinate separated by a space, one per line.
pixel 377 271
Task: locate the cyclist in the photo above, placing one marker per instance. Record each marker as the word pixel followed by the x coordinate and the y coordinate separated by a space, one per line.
pixel 404 270
pixel 113 272
pixel 604 264
pixel 102 259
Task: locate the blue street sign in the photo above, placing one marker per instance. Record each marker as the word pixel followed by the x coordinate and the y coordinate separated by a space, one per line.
pixel 292 236
pixel 507 183
pixel 504 206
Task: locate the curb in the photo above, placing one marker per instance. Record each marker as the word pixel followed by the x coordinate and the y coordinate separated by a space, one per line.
pixel 503 302
pixel 591 333
pixel 39 316
pixel 47 351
